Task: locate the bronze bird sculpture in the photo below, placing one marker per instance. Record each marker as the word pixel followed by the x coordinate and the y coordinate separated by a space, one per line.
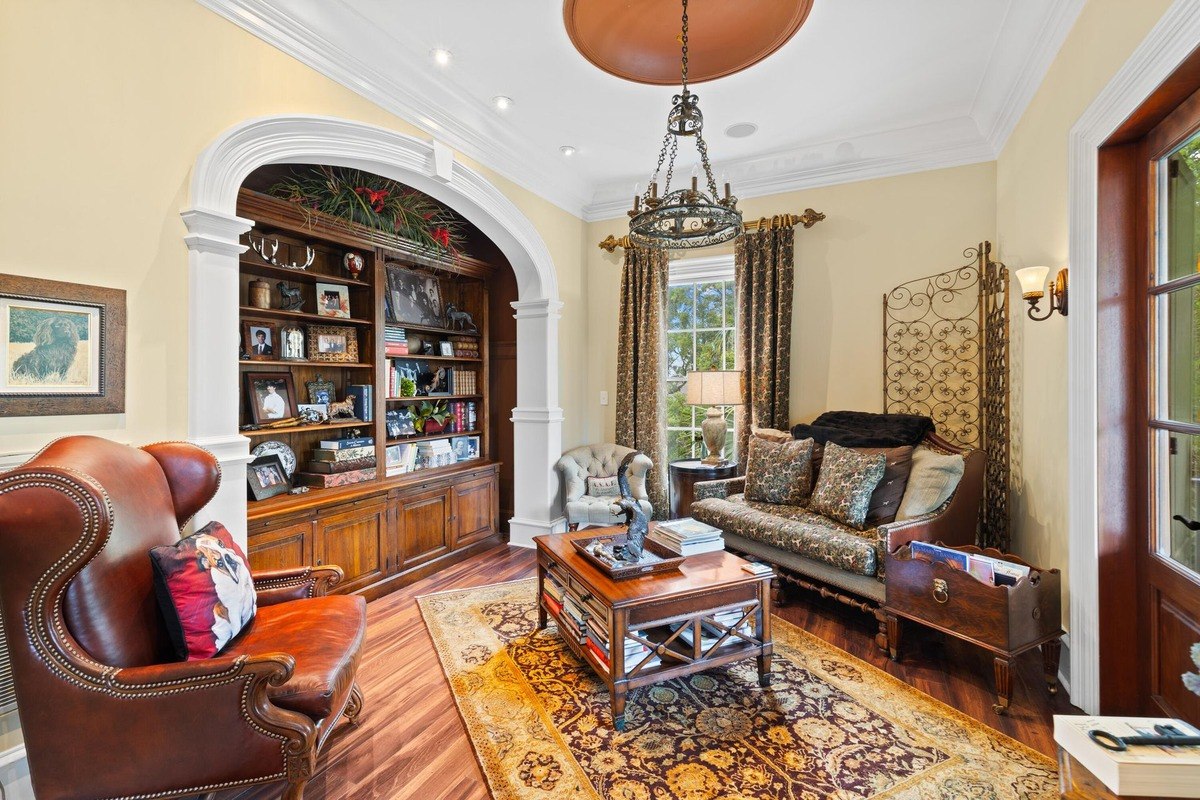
pixel 636 521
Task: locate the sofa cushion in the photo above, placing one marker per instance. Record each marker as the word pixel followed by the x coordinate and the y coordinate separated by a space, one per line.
pixel 795 529
pixel 933 479
pixel 324 635
pixel 603 487
pixel 779 472
pixel 598 510
pixel 885 500
pixel 847 481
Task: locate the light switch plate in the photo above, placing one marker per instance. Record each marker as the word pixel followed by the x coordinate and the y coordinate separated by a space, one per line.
pixel 604 398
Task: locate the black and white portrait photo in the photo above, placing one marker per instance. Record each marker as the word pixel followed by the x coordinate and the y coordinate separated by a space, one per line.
pixel 414 297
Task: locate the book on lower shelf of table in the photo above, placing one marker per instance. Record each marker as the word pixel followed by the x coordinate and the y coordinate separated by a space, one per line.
pixel 1140 770
pixel 635 653
pixel 687 537
pixel 710 634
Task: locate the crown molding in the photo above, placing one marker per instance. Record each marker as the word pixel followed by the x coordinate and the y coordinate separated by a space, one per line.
pixel 1030 38
pixel 883 154
pixel 410 99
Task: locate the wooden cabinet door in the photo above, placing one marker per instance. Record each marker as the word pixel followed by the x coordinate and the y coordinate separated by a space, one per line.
pixel 354 539
pixel 423 524
pixel 285 547
pixel 474 510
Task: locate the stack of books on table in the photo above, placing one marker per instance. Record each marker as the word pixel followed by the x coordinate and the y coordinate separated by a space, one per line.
pixel 552 594
pixel 635 653
pixel 1139 770
pixel 395 342
pixel 573 620
pixel 340 462
pixel 687 536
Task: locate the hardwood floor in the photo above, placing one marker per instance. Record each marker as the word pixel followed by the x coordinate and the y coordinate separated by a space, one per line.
pixel 411 743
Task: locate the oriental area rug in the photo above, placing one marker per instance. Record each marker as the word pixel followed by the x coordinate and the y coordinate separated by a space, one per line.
pixel 829 726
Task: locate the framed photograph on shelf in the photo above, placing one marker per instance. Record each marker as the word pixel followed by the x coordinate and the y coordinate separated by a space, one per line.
pixel 443 382
pixel 320 391
pixel 270 396
pixel 333 300
pixel 446 349
pixel 259 340
pixel 332 344
pixel 62 348
pixel 266 477
pixel 465 447
pixel 416 297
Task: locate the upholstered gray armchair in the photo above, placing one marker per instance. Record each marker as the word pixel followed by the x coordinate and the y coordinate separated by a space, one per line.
pixel 592 504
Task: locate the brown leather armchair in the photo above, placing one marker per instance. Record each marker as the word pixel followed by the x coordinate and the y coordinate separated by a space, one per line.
pixel 106 710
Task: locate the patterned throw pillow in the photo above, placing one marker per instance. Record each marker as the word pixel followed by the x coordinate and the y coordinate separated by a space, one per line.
pixel 603 487
pixel 204 590
pixel 779 472
pixel 844 487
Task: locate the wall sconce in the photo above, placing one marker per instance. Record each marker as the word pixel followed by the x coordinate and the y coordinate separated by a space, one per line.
pixel 1033 289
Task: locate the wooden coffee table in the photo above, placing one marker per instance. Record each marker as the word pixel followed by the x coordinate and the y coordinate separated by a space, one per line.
pixel 708 613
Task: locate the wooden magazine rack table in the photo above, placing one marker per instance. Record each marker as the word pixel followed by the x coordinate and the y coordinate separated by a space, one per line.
pixel 708 613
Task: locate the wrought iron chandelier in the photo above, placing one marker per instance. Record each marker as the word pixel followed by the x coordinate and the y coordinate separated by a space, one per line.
pixel 687 217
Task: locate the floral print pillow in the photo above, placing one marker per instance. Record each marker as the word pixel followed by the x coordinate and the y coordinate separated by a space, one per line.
pixel 779 472
pixel 844 487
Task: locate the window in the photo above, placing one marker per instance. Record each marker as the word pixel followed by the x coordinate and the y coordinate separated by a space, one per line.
pixel 700 336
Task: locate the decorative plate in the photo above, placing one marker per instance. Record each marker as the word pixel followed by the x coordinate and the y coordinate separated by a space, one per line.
pixel 273 448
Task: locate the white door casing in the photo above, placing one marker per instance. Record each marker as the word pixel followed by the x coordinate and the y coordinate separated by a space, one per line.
pixel 214 244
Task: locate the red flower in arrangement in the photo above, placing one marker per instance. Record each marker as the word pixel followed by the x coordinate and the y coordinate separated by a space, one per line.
pixel 441 236
pixel 428 215
pixel 375 198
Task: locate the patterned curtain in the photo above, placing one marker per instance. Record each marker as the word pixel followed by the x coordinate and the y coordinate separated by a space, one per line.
pixel 641 373
pixel 763 275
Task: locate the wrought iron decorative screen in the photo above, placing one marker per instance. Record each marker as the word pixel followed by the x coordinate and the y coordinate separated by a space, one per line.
pixel 946 357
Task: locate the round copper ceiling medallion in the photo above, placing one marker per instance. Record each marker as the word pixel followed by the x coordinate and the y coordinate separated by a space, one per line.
pixel 639 39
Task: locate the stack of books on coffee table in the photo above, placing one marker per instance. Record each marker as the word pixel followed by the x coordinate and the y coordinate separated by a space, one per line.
pixel 687 536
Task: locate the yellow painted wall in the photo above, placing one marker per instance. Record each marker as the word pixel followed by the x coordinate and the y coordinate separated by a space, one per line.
pixel 1032 229
pixel 877 234
pixel 106 106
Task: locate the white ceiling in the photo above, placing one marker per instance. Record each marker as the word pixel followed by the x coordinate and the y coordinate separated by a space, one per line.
pixel 866 88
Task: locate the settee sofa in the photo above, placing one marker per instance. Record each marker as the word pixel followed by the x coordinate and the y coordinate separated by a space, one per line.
pixel 817 553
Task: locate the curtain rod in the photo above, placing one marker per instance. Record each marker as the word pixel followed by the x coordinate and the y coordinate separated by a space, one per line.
pixel 807 219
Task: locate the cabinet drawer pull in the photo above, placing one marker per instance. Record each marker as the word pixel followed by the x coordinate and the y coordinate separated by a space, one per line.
pixel 941 592
pixel 318 562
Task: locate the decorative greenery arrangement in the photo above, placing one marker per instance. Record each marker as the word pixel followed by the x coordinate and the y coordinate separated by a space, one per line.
pixel 359 197
pixel 1192 679
pixel 430 411
pixel 408 387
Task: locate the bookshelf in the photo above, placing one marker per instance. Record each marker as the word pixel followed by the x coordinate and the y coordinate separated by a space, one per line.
pixel 405 517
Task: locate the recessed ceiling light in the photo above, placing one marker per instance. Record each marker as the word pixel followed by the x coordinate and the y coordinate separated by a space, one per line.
pixel 501 102
pixel 740 130
pixel 567 150
pixel 441 56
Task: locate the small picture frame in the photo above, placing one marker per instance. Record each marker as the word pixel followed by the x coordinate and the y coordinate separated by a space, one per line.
pixel 400 423
pixel 333 300
pixel 270 396
pixel 320 391
pixel 332 344
pixel 260 340
pixel 443 382
pixel 316 408
pixel 446 349
pixel 465 447
pixel 291 343
pixel 267 477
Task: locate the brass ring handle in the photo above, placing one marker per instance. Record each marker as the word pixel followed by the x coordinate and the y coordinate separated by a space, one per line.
pixel 941 592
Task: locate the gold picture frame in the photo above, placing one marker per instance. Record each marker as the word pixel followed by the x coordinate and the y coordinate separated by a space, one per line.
pixel 333 344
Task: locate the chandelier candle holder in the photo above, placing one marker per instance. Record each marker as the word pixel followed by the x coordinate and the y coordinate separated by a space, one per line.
pixel 690 216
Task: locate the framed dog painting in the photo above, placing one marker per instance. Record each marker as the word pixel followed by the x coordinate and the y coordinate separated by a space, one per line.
pixel 62 348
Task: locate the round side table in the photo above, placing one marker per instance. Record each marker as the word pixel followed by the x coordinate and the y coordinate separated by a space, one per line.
pixel 686 474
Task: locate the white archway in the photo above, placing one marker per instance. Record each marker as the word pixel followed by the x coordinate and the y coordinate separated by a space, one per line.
pixel 214 244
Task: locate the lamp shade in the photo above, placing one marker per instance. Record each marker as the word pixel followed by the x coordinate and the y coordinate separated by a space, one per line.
pixel 1033 281
pixel 716 388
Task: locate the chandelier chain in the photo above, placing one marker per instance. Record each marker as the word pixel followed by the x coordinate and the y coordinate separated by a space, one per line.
pixel 685 46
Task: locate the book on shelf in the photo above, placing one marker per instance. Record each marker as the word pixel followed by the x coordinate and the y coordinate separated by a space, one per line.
pixel 994 571
pixel 400 458
pixel 1140 770
pixel 363 397
pixel 342 444
pixel 331 467
pixel 710 634
pixel 325 481
pixel 342 454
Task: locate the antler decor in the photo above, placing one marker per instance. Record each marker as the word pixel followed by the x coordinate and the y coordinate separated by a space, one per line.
pixel 807 219
pixel 261 248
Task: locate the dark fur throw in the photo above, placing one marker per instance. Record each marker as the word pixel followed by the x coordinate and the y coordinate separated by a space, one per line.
pixel 864 429
pixel 54 344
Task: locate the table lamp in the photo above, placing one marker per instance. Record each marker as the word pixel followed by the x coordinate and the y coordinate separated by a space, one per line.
pixel 714 389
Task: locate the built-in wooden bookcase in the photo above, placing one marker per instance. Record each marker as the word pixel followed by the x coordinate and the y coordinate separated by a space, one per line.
pixel 387 531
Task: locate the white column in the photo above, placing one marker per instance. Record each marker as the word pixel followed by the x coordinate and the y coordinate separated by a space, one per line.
pixel 537 423
pixel 214 244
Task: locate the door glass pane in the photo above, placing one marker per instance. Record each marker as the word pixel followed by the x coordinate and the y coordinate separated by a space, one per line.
pixel 1182 241
pixel 1178 456
pixel 1179 376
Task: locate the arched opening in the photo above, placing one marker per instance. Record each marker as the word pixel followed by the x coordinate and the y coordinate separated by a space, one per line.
pixel 214 241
